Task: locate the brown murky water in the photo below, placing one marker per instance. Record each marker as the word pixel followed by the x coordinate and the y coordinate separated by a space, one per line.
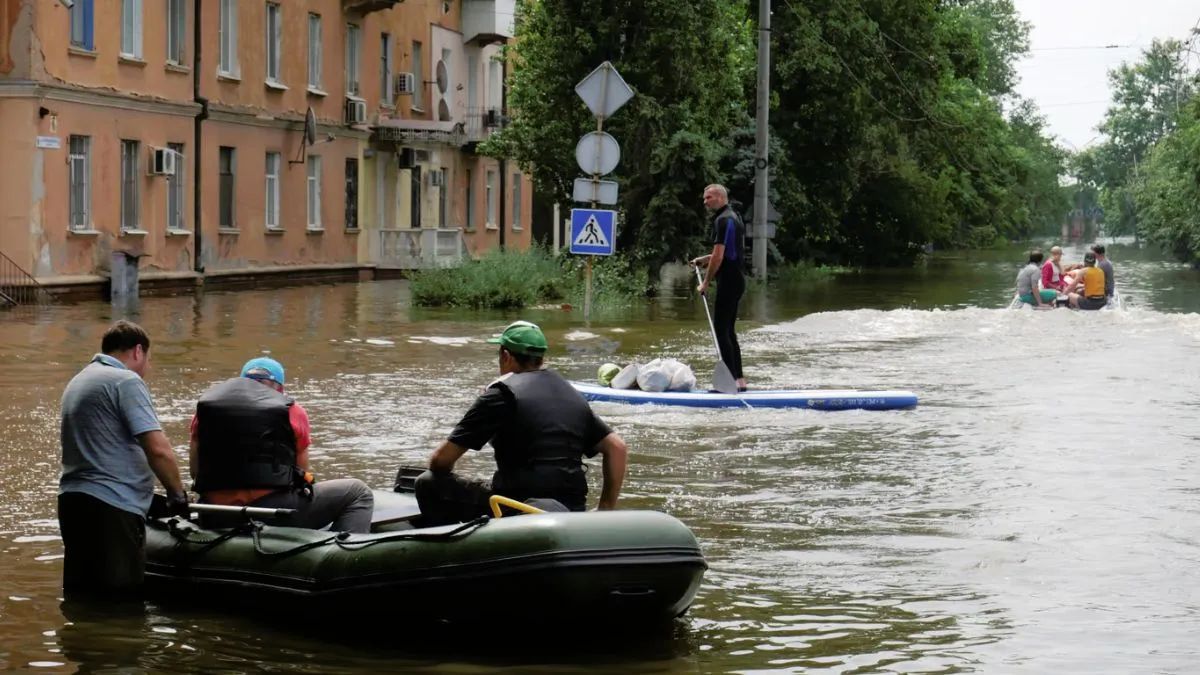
pixel 1036 513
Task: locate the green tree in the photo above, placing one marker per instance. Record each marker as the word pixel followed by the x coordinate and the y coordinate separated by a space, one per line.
pixel 1167 193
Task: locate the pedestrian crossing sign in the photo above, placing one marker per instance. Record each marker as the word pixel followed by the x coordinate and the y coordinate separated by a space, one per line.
pixel 593 231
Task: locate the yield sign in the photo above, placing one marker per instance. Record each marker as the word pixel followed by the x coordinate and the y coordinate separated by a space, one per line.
pixel 603 90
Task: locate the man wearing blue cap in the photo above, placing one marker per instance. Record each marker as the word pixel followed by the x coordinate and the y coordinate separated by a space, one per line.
pixel 540 429
pixel 249 447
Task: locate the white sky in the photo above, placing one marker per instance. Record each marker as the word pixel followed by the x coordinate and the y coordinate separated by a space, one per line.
pixel 1070 86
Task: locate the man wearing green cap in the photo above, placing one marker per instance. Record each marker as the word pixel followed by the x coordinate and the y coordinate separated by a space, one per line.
pixel 540 429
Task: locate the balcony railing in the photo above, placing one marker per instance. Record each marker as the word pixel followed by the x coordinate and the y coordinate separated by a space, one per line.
pixel 420 249
pixel 18 287
pixel 480 123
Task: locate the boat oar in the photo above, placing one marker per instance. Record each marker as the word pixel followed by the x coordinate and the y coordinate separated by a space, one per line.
pixel 244 510
pixel 722 379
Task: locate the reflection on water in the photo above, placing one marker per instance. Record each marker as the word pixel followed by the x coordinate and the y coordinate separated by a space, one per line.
pixel 1035 513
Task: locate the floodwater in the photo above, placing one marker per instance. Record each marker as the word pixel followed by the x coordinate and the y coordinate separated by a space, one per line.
pixel 1038 512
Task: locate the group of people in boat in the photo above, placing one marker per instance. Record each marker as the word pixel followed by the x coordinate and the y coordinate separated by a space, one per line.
pixel 1048 283
pixel 249 447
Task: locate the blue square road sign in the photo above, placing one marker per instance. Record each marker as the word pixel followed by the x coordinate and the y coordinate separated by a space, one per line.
pixel 593 231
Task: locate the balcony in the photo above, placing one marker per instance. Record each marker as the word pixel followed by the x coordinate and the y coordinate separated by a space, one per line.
pixel 365 7
pixel 486 21
pixel 480 123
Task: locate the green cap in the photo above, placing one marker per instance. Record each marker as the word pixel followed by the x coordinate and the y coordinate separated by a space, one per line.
pixel 522 337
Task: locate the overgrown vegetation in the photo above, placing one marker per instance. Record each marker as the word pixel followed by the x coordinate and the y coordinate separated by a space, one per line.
pixel 517 279
pixel 888 129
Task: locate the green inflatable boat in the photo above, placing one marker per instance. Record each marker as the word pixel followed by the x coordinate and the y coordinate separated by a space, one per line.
pixel 635 567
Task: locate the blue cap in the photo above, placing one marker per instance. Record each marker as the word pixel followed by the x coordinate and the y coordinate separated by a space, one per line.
pixel 264 367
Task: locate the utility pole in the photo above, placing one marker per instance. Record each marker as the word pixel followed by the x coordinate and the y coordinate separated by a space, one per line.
pixel 760 140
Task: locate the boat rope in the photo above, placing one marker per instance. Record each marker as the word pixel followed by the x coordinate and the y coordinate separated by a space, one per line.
pixel 340 539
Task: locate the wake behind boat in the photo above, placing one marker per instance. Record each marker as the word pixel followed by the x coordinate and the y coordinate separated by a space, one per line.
pixel 816 399
pixel 546 569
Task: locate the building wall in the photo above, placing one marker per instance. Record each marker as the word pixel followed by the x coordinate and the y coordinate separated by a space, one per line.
pixel 53 89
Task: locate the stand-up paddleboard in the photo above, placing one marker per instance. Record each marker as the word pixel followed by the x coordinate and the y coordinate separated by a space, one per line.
pixel 817 399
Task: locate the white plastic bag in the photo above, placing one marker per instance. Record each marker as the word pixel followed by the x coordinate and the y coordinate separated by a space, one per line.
pixel 627 378
pixel 683 379
pixel 653 376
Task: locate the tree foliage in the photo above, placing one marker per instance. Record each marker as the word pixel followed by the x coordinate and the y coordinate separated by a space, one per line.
pixel 889 128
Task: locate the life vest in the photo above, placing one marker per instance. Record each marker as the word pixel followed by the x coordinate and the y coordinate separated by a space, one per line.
pixel 735 242
pixel 1093 282
pixel 245 437
pixel 540 452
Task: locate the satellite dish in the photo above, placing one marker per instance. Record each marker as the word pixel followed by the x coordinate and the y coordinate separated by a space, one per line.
pixel 310 127
pixel 443 111
pixel 443 77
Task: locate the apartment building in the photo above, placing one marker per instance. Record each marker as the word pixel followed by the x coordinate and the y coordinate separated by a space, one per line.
pixel 211 138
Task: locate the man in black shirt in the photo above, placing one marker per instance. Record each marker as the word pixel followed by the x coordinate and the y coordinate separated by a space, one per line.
pixel 540 429
pixel 726 266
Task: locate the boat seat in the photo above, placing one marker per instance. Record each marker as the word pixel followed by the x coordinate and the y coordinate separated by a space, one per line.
pixel 393 507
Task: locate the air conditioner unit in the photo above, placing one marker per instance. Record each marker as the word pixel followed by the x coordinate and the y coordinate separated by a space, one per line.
pixel 405 84
pixel 491 117
pixel 162 161
pixel 356 111
pixel 407 158
pixel 437 179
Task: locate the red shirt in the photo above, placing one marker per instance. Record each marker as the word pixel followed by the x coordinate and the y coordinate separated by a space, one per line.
pixel 299 419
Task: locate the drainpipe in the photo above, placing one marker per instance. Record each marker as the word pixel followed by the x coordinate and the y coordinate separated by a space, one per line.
pixel 503 163
pixel 198 235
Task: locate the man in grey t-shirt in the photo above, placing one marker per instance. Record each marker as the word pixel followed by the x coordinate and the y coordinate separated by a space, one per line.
pixel 112 448
pixel 1027 283
pixel 1105 264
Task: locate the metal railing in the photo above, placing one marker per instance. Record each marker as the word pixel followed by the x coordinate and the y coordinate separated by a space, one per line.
pixel 480 122
pixel 18 287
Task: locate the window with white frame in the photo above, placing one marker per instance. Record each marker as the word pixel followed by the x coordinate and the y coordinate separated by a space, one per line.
pixel 353 53
pixel 494 84
pixel 82 29
pixel 227 63
pixel 490 195
pixel 314 192
pixel 274 40
pixel 176 199
pixel 385 69
pixel 79 160
pixel 314 51
pixel 176 31
pixel 129 185
pixel 516 205
pixel 272 191
pixel 131 28
pixel 418 68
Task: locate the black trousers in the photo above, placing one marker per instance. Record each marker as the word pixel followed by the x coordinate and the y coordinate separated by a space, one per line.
pixel 730 289
pixel 105 547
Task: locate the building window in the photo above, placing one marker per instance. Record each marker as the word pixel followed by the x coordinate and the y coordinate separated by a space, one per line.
pixel 314 51
pixel 314 192
pixel 418 100
pixel 490 195
pixel 175 185
pixel 131 28
pixel 228 63
pixel 494 84
pixel 385 69
pixel 272 195
pixel 80 160
pixel 353 51
pixel 351 193
pixel 443 198
pixel 82 31
pixel 274 41
pixel 226 167
pixel 470 197
pixel 176 31
pixel 129 185
pixel 516 207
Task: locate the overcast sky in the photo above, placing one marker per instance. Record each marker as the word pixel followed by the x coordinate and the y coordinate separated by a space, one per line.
pixel 1070 86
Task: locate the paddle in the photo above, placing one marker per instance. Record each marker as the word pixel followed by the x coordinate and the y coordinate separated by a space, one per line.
pixel 722 379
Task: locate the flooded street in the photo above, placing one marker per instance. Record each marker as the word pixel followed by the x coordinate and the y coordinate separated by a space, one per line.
pixel 1038 512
